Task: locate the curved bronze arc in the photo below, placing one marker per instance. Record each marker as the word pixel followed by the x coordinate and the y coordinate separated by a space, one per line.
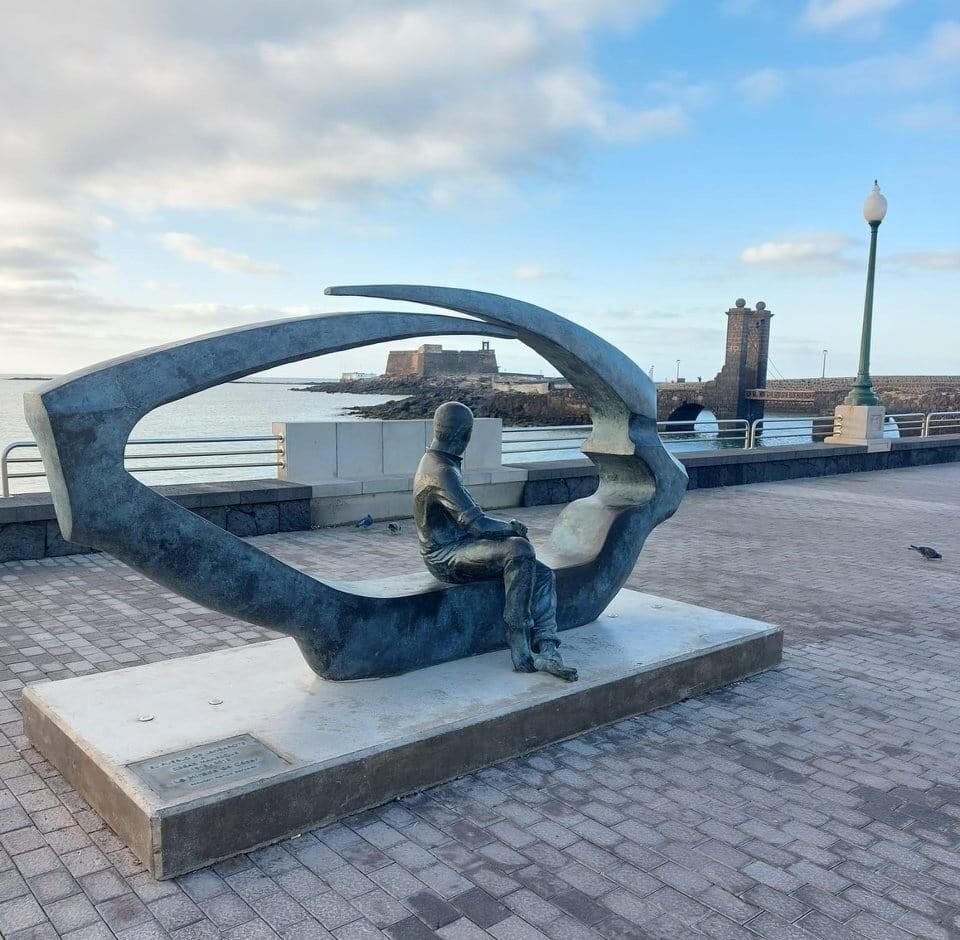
pixel 595 541
pixel 82 422
pixel 349 631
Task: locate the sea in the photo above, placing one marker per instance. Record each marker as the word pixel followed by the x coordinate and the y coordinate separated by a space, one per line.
pixel 234 409
pixel 248 408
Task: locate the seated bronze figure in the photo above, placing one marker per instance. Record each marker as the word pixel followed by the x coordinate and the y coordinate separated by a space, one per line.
pixel 459 543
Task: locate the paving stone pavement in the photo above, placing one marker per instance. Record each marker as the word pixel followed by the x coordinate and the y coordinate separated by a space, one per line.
pixel 821 800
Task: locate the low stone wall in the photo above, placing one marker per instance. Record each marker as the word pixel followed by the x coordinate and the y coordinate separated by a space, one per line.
pixel 29 528
pixel 562 480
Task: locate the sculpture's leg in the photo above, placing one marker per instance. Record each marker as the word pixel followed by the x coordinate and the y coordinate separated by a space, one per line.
pixel 519 581
pixel 512 559
pixel 544 640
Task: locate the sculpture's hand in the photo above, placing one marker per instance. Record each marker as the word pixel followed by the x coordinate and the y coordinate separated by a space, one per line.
pixel 519 528
pixel 486 527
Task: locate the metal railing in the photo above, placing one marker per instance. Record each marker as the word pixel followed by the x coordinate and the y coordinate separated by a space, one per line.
pixel 941 422
pixel 570 436
pixel 909 425
pixel 731 432
pixel 544 439
pixel 765 429
pixel 137 461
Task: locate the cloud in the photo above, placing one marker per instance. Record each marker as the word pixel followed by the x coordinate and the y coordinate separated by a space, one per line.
pixel 929 116
pixel 192 248
pixel 933 61
pixel 944 259
pixel 283 108
pixel 829 14
pixel 819 252
pixel 231 107
pixel 534 272
pixel 762 86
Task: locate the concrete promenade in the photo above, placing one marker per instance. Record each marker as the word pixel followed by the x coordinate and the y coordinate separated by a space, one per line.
pixel 820 800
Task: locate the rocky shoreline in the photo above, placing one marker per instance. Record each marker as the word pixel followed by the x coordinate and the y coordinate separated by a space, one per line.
pixel 421 397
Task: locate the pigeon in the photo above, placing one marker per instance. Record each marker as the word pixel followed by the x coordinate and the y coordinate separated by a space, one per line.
pixel 929 553
pixel 365 522
pixel 394 528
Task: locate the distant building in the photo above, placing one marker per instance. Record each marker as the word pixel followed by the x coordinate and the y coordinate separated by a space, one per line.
pixel 432 359
pixel 530 385
pixel 357 376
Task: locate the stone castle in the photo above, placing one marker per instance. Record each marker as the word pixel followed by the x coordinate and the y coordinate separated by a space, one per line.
pixel 432 359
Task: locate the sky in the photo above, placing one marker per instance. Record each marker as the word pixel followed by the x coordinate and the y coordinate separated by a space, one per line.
pixel 169 168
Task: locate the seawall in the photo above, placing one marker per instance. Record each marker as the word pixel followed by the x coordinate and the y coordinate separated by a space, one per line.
pixel 29 528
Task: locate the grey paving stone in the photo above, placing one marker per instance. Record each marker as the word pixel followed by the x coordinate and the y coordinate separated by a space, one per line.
pixel 433 910
pixel 146 931
pixel 827 788
pixel 462 929
pixel 411 928
pixel 44 931
pixel 71 913
pixel 19 914
pixel 331 910
pixel 103 885
pixel 124 912
pixel 175 911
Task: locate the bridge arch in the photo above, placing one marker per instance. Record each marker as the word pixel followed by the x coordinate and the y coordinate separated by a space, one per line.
pixel 688 412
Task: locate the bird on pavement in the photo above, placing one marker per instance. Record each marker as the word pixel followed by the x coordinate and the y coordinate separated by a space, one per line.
pixel 365 522
pixel 929 553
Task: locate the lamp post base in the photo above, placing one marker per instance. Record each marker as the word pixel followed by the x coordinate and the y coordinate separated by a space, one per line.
pixel 860 425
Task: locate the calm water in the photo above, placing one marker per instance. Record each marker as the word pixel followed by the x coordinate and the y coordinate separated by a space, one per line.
pixel 232 410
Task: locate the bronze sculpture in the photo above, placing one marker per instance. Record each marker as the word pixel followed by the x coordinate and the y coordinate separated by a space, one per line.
pixel 459 544
pixel 386 625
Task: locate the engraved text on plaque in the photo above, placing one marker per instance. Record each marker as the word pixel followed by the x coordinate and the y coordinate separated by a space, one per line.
pixel 227 762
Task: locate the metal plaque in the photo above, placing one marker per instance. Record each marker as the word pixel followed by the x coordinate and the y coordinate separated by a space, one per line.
pixel 195 769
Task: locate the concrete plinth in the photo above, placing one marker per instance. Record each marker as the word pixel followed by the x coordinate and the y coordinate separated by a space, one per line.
pixel 193 760
pixel 860 425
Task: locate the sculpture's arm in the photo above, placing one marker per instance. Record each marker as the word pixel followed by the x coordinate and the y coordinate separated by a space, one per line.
pixel 459 502
pixel 486 527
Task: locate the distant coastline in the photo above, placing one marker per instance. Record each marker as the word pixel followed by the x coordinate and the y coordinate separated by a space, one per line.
pixel 27 378
pixel 418 398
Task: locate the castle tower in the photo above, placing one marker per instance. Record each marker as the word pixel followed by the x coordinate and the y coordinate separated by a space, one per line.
pixel 745 365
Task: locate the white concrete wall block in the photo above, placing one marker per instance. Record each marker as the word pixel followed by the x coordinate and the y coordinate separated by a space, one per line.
pixel 310 450
pixel 403 445
pixel 485 445
pixel 359 449
pixel 390 484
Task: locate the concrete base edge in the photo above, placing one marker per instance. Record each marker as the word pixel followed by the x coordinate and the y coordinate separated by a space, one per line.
pixel 172 836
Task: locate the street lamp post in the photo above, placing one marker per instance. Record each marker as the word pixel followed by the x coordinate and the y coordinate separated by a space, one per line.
pixel 823 370
pixel 678 370
pixel 862 393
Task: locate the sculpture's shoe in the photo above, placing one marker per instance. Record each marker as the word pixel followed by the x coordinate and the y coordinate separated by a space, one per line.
pixel 554 665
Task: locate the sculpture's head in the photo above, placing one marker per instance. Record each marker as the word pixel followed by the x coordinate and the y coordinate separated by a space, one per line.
pixel 452 427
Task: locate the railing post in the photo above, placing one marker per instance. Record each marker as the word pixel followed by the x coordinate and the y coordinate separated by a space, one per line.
pixel 5 469
pixel 754 427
